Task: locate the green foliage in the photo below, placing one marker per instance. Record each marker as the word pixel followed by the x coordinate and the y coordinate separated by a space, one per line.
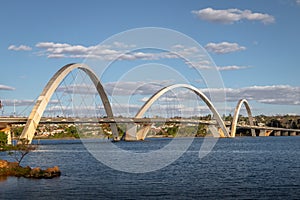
pixel 274 123
pixel 121 131
pixel 19 151
pixel 201 131
pixel 187 131
pixel 3 139
pixel 17 130
pixel 172 131
pixel 70 132
pixel 193 131
pixel 228 118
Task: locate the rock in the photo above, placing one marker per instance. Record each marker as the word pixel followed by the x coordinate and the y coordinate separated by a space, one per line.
pixel 52 172
pixel 14 169
pixel 3 164
pixel 36 172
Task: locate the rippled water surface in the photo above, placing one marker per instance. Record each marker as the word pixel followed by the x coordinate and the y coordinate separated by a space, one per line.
pixel 243 168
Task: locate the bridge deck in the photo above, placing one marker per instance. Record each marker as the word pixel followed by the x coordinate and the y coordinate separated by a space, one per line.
pixel 59 120
pixel 45 120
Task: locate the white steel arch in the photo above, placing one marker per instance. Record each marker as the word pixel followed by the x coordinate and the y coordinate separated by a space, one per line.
pixel 158 94
pixel 236 116
pixel 45 96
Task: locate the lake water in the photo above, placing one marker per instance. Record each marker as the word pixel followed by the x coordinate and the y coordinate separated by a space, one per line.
pixel 239 168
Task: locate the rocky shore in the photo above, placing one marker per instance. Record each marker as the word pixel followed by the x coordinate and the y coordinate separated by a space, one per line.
pixel 14 169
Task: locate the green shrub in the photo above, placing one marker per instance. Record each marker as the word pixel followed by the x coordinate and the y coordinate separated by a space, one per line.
pixel 3 138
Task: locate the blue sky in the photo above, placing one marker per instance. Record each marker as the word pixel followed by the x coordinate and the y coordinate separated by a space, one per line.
pixel 255 44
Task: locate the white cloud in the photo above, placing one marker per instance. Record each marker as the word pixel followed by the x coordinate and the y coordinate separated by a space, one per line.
pixel 298 2
pixel 5 87
pixel 231 68
pixel 74 111
pixel 24 102
pixel 78 89
pixel 19 48
pixel 61 50
pixel 122 45
pixel 224 47
pixel 124 88
pixel 230 16
pixel 15 102
pixel 56 56
pixel 274 94
pixel 203 65
pixel 115 51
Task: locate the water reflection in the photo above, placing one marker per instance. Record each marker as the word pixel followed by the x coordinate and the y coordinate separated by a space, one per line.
pixel 243 168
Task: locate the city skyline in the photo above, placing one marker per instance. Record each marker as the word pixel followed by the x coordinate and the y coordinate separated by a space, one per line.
pixel 254 45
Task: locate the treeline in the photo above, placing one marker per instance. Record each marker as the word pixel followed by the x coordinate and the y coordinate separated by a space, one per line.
pixel 285 121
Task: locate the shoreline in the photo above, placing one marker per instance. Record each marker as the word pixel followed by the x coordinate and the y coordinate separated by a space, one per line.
pixel 14 169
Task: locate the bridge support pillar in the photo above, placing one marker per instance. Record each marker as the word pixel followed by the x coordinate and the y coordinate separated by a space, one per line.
pixel 115 132
pixel 142 133
pixel 221 133
pixel 262 133
pixel 285 133
pixel 293 133
pixel 213 130
pixel 8 132
pixel 277 133
pixel 131 132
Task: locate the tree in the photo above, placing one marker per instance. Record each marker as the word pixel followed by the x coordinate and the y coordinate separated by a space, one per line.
pixel 172 131
pixel 201 131
pixel 274 123
pixel 294 125
pixel 3 139
pixel 17 130
pixel 21 150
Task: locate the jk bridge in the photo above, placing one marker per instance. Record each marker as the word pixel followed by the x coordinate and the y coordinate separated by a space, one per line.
pixel 7 122
pixel 137 126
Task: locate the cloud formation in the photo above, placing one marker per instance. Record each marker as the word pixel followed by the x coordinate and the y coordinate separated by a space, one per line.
pixel 120 51
pixel 15 102
pixel 117 51
pixel 121 88
pixel 224 47
pixel 232 15
pixel 24 102
pixel 19 48
pixel 5 87
pixel 231 68
pixel 78 89
pixel 179 99
pixel 134 88
pixel 273 94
